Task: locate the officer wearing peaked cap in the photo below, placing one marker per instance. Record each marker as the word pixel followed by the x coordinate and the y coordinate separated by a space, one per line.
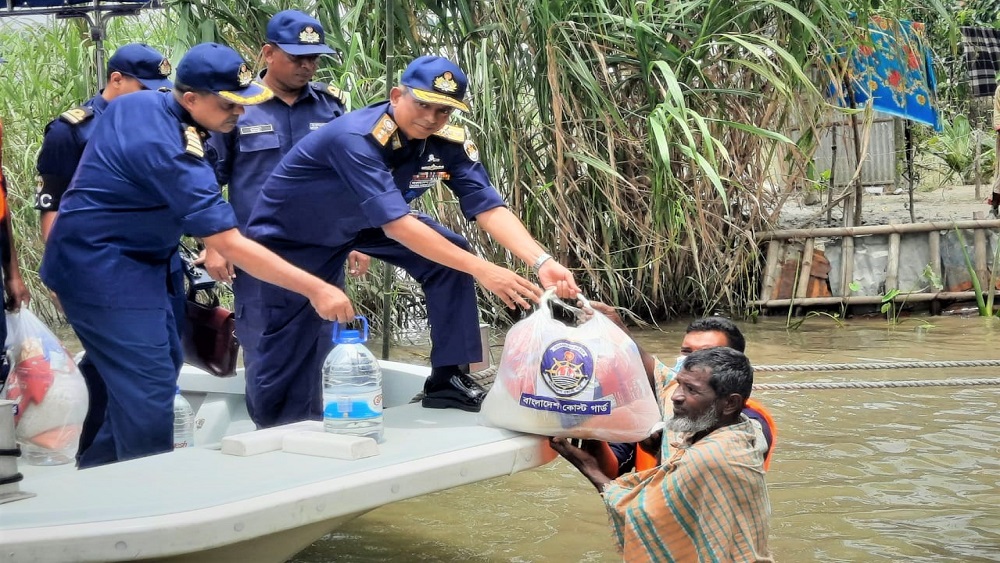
pixel 132 67
pixel 349 186
pixel 142 183
pixel 246 156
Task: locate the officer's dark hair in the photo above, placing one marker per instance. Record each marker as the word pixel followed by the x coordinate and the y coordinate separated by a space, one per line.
pixel 734 338
pixel 181 88
pixel 731 370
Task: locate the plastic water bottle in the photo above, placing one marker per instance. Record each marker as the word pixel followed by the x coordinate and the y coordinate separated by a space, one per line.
pixel 183 422
pixel 352 385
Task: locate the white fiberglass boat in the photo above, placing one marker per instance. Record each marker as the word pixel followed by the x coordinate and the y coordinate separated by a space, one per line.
pixel 198 504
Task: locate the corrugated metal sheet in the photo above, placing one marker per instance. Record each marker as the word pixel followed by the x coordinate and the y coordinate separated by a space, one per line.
pixel 878 166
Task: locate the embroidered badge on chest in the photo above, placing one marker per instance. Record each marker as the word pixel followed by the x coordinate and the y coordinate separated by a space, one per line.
pixel 433 163
pixel 426 180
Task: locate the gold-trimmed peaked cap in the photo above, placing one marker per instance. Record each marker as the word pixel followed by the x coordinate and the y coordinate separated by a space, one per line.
pixel 436 80
pixel 297 33
pixel 144 63
pixel 211 67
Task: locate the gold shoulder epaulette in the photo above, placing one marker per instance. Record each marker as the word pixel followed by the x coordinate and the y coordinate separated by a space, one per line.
pixel 330 90
pixel 452 133
pixel 77 115
pixel 192 143
pixel 384 129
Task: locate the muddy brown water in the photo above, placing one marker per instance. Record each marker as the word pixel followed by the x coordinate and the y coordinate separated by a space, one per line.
pixel 905 474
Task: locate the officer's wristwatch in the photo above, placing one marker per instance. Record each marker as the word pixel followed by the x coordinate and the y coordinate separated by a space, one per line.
pixel 545 257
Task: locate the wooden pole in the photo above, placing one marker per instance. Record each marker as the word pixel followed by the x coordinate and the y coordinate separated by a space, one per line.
pixel 868 299
pixel 892 270
pixel 979 253
pixel 802 288
pixel 899 156
pixel 833 174
pixel 910 155
pixel 934 244
pixel 773 250
pixel 975 119
pixel 847 266
pixel 876 229
pixel 855 217
pixel 389 271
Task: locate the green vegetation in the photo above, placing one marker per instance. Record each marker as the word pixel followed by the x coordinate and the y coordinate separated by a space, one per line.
pixel 636 140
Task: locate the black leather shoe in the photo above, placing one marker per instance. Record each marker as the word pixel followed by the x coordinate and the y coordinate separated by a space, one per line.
pixel 456 392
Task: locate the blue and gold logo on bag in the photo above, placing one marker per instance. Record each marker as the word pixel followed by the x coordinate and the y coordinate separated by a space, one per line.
pixel 567 367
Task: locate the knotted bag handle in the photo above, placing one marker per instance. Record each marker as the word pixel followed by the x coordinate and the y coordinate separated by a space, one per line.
pixel 550 298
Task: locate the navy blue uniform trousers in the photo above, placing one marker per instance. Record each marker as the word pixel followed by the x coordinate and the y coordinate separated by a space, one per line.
pixel 284 382
pixel 137 354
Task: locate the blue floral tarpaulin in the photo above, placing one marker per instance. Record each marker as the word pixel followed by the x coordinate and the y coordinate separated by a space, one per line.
pixel 892 67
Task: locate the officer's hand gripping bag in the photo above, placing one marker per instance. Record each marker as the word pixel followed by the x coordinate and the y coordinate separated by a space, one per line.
pixel 583 381
pixel 48 390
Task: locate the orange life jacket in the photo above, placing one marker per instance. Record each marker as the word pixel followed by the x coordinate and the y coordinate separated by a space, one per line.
pixel 646 460
pixel 766 414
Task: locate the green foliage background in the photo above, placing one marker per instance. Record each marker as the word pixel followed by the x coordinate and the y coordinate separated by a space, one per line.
pixel 638 141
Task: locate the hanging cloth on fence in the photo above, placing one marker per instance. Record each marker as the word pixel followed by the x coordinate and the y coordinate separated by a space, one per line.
pixel 982 59
pixel 892 67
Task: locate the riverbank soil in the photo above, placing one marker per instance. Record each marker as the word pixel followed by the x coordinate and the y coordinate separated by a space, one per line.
pixel 941 204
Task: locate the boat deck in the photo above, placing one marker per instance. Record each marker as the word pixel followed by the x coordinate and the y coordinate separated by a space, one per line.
pixel 196 500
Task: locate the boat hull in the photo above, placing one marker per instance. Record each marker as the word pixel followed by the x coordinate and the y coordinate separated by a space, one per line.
pixel 198 504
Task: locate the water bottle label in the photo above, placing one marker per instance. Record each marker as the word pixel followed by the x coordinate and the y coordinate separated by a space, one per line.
pixel 353 407
pixel 182 444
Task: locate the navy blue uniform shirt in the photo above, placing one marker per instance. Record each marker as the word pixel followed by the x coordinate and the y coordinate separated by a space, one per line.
pixel 62 146
pixel 247 155
pixel 143 182
pixel 361 172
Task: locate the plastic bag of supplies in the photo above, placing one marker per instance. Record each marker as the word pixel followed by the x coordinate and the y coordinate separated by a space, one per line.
pixel 49 393
pixel 583 381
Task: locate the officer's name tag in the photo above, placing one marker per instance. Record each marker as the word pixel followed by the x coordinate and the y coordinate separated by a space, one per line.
pixel 254 129
pixel 315 126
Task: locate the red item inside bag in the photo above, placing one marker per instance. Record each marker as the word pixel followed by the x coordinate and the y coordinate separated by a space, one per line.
pixel 581 381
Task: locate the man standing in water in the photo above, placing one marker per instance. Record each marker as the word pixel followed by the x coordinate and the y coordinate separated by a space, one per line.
pixel 708 500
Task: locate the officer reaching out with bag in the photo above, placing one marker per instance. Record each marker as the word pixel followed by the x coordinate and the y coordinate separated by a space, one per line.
pixel 348 186
pixel 142 183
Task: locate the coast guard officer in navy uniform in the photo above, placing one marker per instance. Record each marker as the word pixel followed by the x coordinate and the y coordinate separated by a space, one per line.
pixel 247 155
pixel 132 67
pixel 349 186
pixel 143 182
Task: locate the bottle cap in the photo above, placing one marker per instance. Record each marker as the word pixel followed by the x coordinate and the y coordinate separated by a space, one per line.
pixel 343 335
pixel 348 337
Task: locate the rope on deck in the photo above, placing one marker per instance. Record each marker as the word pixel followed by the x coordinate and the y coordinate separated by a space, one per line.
pixel 873 384
pixel 878 365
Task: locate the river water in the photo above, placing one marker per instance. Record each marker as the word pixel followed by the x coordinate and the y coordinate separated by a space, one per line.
pixel 902 474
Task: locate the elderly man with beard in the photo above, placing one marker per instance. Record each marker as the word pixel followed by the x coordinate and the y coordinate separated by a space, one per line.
pixel 708 500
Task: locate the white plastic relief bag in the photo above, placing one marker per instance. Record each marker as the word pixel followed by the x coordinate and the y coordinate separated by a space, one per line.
pixel 583 381
pixel 48 390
